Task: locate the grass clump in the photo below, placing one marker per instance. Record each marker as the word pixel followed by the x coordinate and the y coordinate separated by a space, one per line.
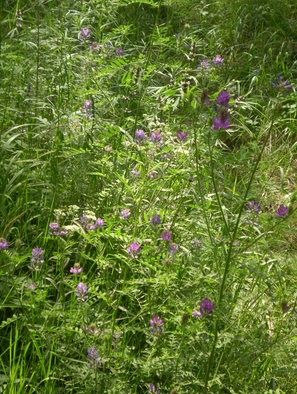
pixel 147 197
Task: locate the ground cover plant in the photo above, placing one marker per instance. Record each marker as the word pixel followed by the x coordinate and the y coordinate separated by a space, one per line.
pixel 148 196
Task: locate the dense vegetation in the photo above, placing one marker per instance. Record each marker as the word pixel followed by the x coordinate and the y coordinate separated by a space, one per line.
pixel 148 190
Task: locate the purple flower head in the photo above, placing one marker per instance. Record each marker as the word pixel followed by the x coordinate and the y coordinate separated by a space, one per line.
pixel 196 314
pixel 153 175
pixel 3 244
pixel 99 223
pixel 156 323
pixel 155 219
pixel 166 235
pixel 119 51
pixel 81 292
pixel 281 211
pixel 93 358
pixel 253 207
pixel 54 229
pixel 124 214
pixel 95 46
pixel 32 286
pixel 153 389
pixel 182 136
pixel 203 65
pixel 83 219
pixel 36 259
pixel 139 135
pixel 133 249
pixel 76 269
pixel 172 248
pixel 217 60
pixel 281 84
pixel 156 136
pixel 222 121
pixel 84 34
pixel 223 98
pixel 87 109
pixel 206 306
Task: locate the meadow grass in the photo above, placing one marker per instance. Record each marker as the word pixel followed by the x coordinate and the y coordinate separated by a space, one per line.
pixel 148 196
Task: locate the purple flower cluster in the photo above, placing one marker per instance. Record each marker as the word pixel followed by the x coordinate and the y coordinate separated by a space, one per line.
pixel 134 249
pixel 36 259
pixel 172 248
pixel 3 244
pixel 124 214
pixel 253 207
pixel 182 136
pixel 206 306
pixel 156 323
pixel 84 35
pixel 55 229
pixel 139 135
pixel 155 219
pixel 222 121
pixel 93 357
pixel 119 51
pixel 95 46
pixel 282 84
pixel 87 109
pixel 166 235
pixel 76 269
pixel 156 136
pixel 153 389
pixel 281 211
pixel 99 223
pixel 81 292
pixel 217 60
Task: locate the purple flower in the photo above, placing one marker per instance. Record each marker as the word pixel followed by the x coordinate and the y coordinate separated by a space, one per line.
pixel 3 244
pixel 172 248
pixel 223 98
pixel 222 121
pixel 156 323
pixel 206 306
pixel 282 84
pixel 95 46
pixel 84 34
pixel 32 286
pixel 253 207
pixel 81 292
pixel 217 60
pixel 99 223
pixel 36 259
pixel 155 219
pixel 87 109
pixel 153 389
pixel 119 51
pixel 133 249
pixel 54 229
pixel 156 136
pixel 281 211
pixel 203 65
pixel 166 235
pixel 76 269
pixel 139 135
pixel 93 358
pixel 124 214
pixel 182 136
pixel 196 314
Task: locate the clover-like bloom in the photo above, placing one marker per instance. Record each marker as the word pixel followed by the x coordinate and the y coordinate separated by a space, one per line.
pixel 36 259
pixel 203 65
pixel 156 323
pixel 124 214
pixel 155 219
pixel 139 135
pixel 156 136
pixel 223 98
pixel 84 34
pixel 166 235
pixel 119 51
pixel 87 109
pixel 172 248
pixel 93 357
pixel 54 229
pixel 222 121
pixel 253 207
pixel 281 211
pixel 3 244
pixel 217 60
pixel 182 136
pixel 196 314
pixel 81 292
pixel 76 269
pixel 281 84
pixel 206 306
pixel 32 286
pixel 133 249
pixel 95 46
pixel 153 389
